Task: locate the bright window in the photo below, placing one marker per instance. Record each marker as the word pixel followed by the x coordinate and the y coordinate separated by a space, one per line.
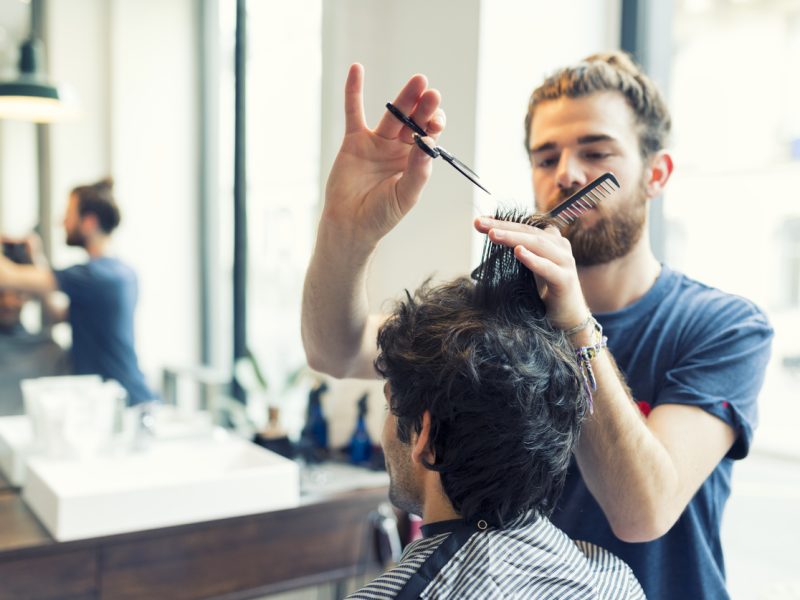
pixel 284 70
pixel 732 221
pixel 731 210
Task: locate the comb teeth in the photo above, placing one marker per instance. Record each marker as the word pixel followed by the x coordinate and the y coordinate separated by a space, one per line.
pixel 585 199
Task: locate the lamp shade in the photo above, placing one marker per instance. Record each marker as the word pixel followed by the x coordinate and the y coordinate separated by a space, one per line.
pixel 31 97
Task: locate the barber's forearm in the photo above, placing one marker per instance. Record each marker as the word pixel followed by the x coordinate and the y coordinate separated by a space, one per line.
pixel 335 318
pixel 627 469
pixel 27 278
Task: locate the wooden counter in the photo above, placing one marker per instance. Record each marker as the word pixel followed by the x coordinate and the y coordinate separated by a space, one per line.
pixel 323 540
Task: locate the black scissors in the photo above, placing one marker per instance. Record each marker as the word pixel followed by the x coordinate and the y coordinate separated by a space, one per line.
pixel 435 151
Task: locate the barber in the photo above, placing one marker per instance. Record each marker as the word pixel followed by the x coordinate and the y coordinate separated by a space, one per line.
pixel 674 391
pixel 103 292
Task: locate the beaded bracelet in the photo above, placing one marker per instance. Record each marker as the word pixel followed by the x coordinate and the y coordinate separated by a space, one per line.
pixel 586 355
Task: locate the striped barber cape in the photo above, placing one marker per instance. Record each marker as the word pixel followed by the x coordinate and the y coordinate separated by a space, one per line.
pixel 531 558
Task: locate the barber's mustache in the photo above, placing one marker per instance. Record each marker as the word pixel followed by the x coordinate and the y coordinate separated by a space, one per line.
pixel 561 195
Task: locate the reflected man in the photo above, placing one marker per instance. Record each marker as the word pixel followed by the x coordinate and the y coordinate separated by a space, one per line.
pixel 102 292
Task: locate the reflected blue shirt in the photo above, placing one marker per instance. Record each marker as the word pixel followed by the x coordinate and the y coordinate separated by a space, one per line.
pixel 102 301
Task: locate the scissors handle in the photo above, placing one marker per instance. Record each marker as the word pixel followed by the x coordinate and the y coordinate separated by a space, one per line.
pixel 432 151
pixel 407 121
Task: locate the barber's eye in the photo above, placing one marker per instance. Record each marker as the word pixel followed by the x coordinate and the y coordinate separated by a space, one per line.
pixel 544 163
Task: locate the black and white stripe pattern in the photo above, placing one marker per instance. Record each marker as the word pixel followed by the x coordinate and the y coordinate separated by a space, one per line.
pixel 530 560
pixel 390 583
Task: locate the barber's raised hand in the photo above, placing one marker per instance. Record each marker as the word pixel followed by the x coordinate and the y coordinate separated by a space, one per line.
pixel 549 256
pixel 379 173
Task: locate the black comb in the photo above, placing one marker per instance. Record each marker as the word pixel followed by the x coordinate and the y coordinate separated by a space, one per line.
pixel 585 199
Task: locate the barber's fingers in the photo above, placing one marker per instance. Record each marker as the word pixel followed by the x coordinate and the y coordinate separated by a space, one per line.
pixel 413 180
pixel 485 224
pixel 553 231
pixel 510 234
pixel 541 242
pixel 558 286
pixel 353 100
pixel 547 271
pixel 406 101
pixel 427 115
pixel 436 123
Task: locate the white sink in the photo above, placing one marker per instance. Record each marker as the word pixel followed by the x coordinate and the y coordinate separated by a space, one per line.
pixel 332 478
pixel 16 444
pixel 17 441
pixel 172 483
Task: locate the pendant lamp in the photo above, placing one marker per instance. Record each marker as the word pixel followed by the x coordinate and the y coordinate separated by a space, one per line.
pixel 31 97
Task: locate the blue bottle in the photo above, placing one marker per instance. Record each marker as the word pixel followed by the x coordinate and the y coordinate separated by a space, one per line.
pixel 314 436
pixel 360 442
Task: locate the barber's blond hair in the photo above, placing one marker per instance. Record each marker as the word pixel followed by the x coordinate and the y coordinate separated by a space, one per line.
pixel 615 72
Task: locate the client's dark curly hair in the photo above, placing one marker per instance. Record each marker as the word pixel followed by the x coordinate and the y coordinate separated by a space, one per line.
pixel 502 386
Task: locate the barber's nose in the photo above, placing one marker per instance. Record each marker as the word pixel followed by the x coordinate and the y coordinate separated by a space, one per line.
pixel 570 173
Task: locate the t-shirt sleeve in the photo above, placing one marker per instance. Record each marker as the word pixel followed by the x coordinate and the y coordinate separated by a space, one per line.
pixel 76 282
pixel 723 355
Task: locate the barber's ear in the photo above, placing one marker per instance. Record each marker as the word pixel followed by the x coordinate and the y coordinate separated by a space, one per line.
pixel 421 448
pixel 659 171
pixel 89 224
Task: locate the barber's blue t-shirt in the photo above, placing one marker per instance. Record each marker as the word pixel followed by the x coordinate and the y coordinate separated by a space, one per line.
pixel 682 343
pixel 102 299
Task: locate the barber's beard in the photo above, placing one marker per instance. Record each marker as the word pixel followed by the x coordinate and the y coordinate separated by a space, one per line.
pixel 613 235
pixel 76 238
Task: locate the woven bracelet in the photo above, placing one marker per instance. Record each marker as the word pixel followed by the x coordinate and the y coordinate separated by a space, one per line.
pixel 585 355
pixel 589 320
pixel 580 327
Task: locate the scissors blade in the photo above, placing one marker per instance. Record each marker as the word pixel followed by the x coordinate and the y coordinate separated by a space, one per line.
pixel 450 157
pixel 461 168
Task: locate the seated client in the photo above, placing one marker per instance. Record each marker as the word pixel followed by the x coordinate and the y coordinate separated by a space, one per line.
pixel 485 402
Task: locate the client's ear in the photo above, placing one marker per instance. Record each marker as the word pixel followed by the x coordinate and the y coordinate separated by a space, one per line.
pixel 421 452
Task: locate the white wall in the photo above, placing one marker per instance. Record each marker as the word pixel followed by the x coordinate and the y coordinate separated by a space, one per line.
pixel 78 45
pixel 154 122
pixel 379 35
pixel 133 68
pixel 390 40
pixel 18 186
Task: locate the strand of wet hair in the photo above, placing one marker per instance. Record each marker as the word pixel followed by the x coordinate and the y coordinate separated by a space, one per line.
pixel 500 273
